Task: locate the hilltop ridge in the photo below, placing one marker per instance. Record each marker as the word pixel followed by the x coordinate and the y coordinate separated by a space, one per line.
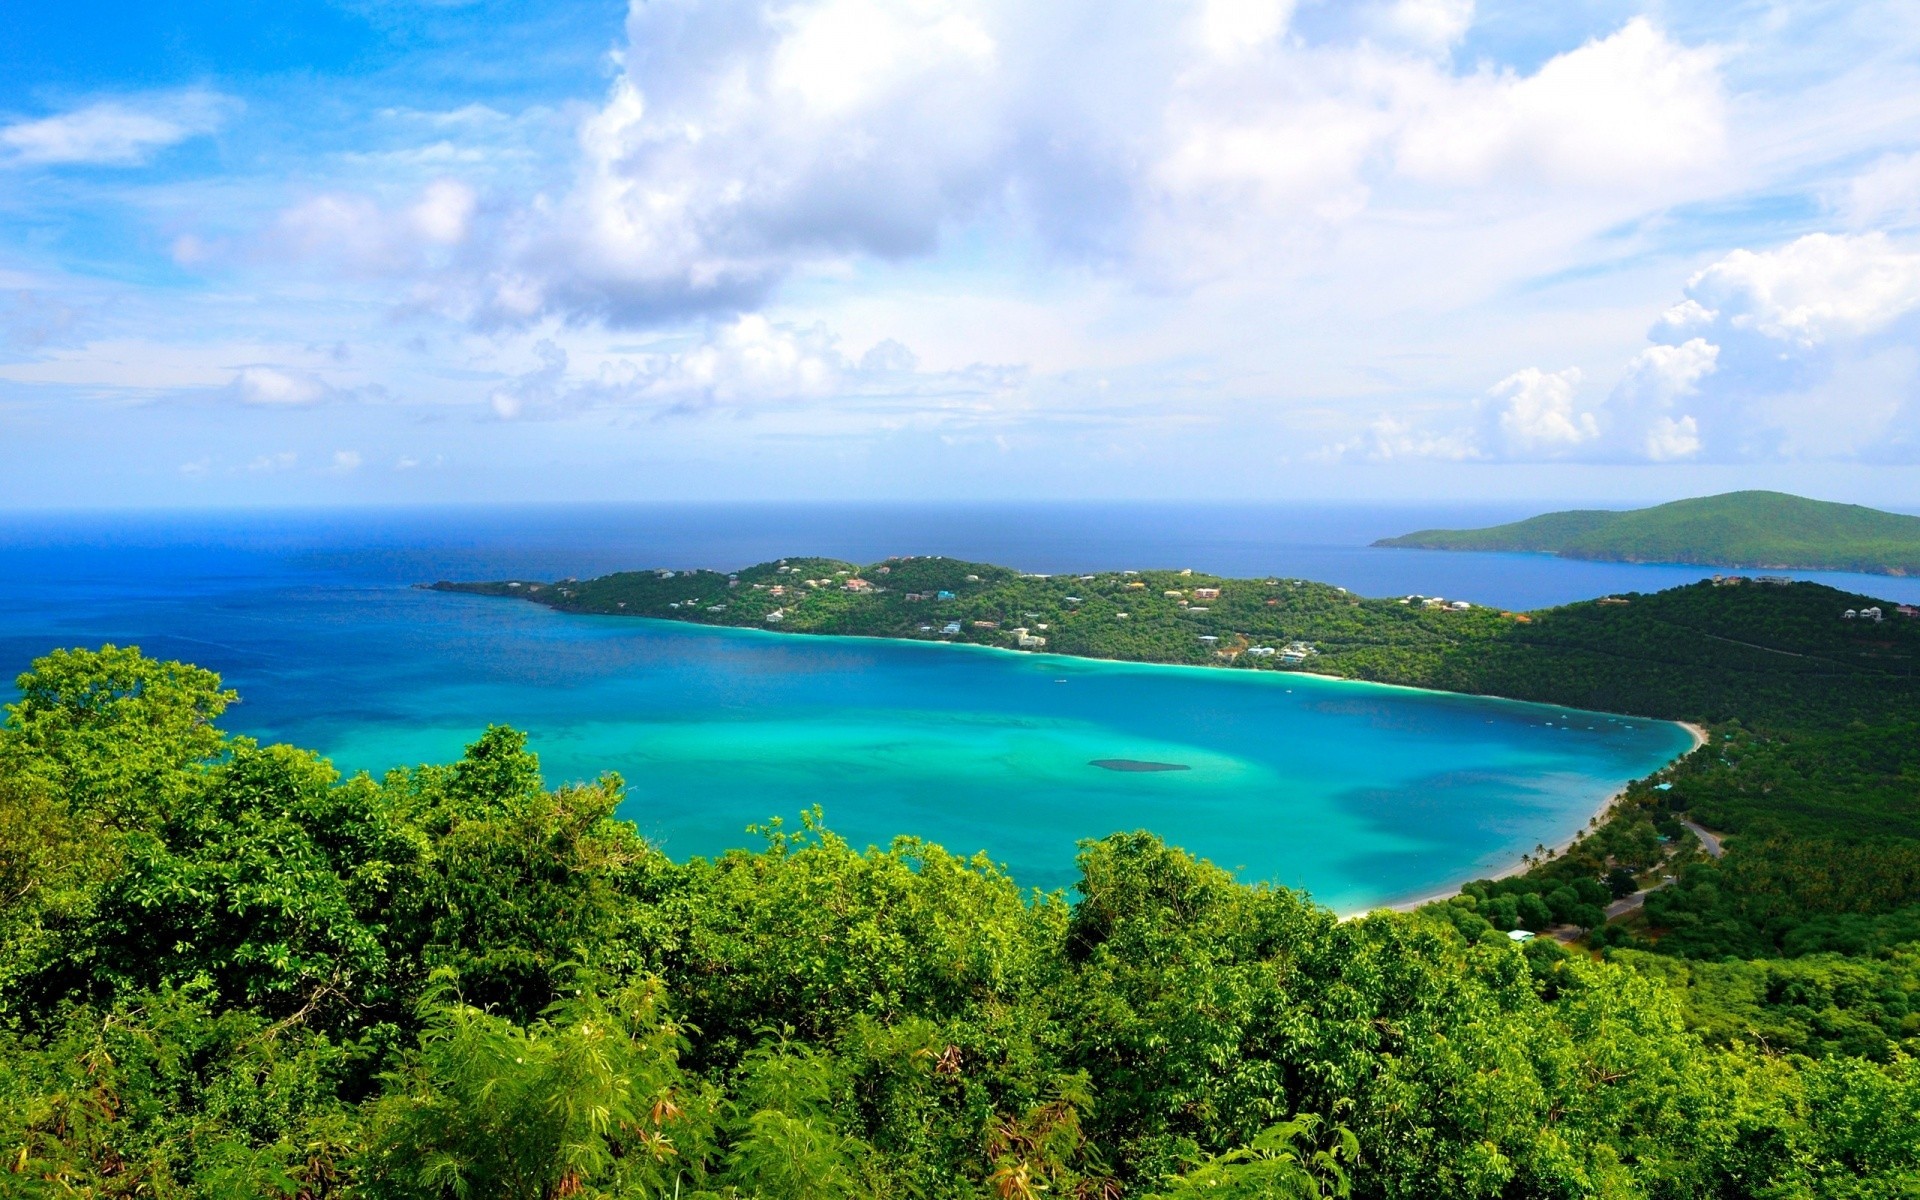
pixel 1697 653
pixel 1752 529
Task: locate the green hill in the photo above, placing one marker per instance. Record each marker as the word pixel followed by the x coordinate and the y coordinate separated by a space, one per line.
pixel 1763 530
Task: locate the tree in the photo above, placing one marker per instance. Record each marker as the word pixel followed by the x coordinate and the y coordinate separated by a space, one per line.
pixel 590 1093
pixel 1281 1163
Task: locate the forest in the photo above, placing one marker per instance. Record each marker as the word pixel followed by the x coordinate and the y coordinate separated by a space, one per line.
pixel 225 971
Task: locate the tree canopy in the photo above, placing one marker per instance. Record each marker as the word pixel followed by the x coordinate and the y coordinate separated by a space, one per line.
pixel 226 972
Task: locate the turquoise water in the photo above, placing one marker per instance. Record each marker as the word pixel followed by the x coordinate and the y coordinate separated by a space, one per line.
pixel 1361 794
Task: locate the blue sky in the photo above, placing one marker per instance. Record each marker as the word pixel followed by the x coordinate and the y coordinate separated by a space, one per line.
pixel 316 252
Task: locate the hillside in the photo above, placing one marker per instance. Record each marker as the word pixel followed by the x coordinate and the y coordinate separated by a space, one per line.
pixel 1772 655
pixel 1754 530
pixel 1811 775
pixel 226 972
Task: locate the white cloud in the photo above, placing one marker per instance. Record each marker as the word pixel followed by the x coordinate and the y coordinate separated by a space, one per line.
pixel 1533 414
pixel 744 145
pixel 268 464
pixel 1536 416
pixel 1806 350
pixel 1388 437
pixel 1641 408
pixel 443 211
pixel 1686 315
pixel 1669 439
pixel 1231 28
pixel 117 133
pixel 1659 375
pixel 1887 193
pixel 1433 25
pixel 1622 111
pixel 746 365
pixel 357 234
pixel 272 387
pixel 345 462
pixel 1816 288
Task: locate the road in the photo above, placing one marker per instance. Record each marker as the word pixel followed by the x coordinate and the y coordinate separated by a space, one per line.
pixel 1709 842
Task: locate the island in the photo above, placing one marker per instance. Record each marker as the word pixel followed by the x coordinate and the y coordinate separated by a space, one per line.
pixel 1754 530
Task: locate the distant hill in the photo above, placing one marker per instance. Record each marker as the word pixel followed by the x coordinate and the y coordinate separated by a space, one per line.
pixel 1755 530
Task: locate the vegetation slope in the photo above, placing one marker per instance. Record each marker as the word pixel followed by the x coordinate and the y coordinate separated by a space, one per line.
pixel 1812 774
pixel 227 972
pixel 1738 529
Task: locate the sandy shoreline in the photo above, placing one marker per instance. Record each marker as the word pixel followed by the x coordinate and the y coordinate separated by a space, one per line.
pixel 1520 865
pixel 1516 867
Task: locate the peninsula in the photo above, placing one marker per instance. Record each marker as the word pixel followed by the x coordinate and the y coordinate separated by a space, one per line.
pixel 1751 530
pixel 1702 653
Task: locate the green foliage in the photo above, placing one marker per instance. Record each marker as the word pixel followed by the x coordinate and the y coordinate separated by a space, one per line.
pixel 1770 530
pixel 1274 1166
pixel 245 976
pixel 1821 1005
pixel 588 1095
pixel 112 730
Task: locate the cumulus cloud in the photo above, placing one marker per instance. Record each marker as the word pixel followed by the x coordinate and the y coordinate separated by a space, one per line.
pixel 1432 25
pixel 1532 414
pixel 744 365
pixel 1814 289
pixel 120 133
pixel 1807 350
pixel 1642 408
pixel 262 386
pixel 1619 111
pixel 359 235
pixel 269 464
pixel 1201 139
pixel 1389 437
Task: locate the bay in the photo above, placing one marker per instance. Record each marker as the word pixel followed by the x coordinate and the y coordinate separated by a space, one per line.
pixel 1360 794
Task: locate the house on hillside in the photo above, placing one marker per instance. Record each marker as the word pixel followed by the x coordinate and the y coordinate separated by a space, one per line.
pixel 1206 593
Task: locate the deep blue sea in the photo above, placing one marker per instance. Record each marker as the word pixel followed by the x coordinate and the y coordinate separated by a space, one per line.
pixel 1362 794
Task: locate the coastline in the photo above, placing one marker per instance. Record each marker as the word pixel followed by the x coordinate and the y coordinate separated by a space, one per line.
pixel 1224 672
pixel 1518 865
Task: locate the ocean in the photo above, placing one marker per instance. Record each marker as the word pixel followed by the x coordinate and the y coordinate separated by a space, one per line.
pixel 1358 793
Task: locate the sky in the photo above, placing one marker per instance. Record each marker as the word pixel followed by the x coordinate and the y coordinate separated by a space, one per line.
pixel 345 252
